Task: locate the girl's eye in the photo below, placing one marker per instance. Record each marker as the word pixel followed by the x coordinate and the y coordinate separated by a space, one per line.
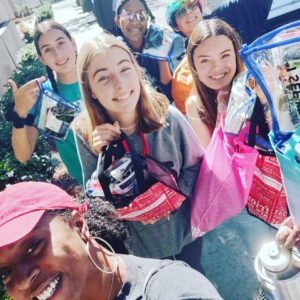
pixel 225 55
pixel 61 43
pixel 204 61
pixel 4 275
pixel 125 69
pixel 103 79
pixel 34 248
pixel 47 50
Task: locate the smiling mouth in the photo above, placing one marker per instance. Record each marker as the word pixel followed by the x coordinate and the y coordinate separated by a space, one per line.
pixel 192 20
pixel 216 77
pixel 49 290
pixel 134 30
pixel 62 63
pixel 124 97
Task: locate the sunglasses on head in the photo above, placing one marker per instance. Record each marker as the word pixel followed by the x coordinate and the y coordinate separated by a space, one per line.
pixel 140 16
pixel 191 6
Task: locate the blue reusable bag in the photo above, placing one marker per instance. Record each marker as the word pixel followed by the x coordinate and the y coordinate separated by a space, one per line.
pixel 274 61
pixel 290 170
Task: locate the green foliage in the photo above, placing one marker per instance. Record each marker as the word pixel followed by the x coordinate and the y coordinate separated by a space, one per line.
pixel 28 37
pixel 44 12
pixel 40 166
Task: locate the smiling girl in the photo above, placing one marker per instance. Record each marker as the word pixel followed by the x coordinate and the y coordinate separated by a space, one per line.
pixel 214 62
pixel 118 99
pixel 57 51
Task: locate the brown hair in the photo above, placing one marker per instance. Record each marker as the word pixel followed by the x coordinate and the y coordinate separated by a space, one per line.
pixel 41 28
pixel 204 30
pixel 151 107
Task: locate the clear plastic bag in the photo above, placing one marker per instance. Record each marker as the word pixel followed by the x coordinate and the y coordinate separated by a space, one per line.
pixel 55 114
pixel 274 60
pixel 240 105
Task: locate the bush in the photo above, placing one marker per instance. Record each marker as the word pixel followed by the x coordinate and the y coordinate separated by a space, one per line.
pixel 44 12
pixel 40 166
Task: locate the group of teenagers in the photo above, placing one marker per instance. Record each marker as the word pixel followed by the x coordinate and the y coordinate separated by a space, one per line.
pixel 47 248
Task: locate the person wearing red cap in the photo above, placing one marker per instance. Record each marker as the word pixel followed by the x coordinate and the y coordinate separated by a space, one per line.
pixel 47 252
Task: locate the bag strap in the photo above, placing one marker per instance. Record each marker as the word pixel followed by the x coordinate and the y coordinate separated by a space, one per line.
pixel 258 118
pixel 114 150
pixel 138 161
pixel 144 144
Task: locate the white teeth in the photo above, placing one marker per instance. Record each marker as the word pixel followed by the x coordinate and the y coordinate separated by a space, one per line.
pixel 62 62
pixel 125 97
pixel 217 76
pixel 49 290
pixel 134 30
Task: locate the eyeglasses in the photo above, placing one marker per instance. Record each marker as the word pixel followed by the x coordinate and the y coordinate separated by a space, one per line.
pixel 181 13
pixel 141 16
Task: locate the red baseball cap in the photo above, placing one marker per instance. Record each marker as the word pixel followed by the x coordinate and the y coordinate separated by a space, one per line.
pixel 23 204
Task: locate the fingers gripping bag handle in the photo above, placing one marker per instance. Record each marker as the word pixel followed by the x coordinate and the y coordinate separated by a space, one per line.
pixel 158 192
pixel 274 61
pixel 120 171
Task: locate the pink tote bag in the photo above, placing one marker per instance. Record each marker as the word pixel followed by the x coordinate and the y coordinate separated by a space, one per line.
pixel 224 181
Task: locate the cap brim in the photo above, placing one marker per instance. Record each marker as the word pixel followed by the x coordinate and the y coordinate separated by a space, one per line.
pixel 16 229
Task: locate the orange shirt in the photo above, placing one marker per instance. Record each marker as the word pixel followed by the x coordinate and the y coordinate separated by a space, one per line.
pixel 182 84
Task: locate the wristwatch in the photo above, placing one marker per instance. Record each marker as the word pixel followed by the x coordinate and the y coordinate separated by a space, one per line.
pixel 18 122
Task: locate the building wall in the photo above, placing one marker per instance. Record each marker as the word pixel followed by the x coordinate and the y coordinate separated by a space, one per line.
pixel 10 41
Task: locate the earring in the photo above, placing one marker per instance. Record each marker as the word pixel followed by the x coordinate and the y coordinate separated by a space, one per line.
pixel 116 263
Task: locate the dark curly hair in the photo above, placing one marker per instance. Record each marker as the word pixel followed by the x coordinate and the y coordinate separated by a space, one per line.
pixel 102 224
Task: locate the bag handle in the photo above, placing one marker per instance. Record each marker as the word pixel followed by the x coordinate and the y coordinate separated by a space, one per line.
pixel 117 149
pixel 253 139
pixel 138 160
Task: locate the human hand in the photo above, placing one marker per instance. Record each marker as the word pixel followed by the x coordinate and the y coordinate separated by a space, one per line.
pixel 104 134
pixel 288 234
pixel 26 95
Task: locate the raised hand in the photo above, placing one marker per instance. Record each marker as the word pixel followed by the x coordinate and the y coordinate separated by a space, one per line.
pixel 25 96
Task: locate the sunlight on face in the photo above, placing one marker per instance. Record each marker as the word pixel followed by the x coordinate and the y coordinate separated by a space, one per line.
pixel 132 25
pixel 47 262
pixel 188 17
pixel 215 62
pixel 114 82
pixel 57 51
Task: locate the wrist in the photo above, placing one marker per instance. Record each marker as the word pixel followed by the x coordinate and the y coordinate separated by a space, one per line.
pixel 21 114
pixel 18 121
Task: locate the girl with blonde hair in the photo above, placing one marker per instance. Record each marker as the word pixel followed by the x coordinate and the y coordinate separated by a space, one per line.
pixel 118 98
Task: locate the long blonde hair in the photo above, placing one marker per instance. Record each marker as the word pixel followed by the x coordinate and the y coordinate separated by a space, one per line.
pixel 204 30
pixel 152 106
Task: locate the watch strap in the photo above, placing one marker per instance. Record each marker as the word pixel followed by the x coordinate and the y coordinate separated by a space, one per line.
pixel 17 121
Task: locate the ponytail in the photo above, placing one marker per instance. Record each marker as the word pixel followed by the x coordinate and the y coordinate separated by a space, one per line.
pixel 52 79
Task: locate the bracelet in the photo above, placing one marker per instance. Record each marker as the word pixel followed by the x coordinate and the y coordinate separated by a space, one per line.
pixel 17 121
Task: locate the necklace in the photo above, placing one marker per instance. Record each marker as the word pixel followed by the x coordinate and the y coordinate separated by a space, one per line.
pixel 130 127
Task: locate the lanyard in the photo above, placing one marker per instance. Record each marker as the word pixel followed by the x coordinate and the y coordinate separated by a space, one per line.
pixel 144 144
